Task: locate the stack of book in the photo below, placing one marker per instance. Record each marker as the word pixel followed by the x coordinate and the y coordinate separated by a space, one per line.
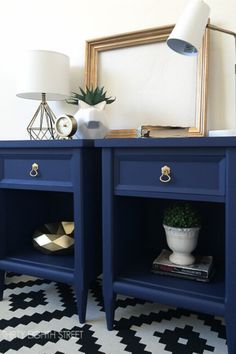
pixel 155 131
pixel 201 270
pixel 148 131
pixel 121 133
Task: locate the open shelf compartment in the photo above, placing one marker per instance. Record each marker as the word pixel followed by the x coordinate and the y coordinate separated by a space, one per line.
pixel 139 238
pixel 17 252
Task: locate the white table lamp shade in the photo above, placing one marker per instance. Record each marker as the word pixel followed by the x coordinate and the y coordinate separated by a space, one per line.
pixel 186 37
pixel 44 72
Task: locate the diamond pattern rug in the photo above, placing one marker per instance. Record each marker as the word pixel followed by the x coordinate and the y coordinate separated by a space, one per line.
pixel 39 317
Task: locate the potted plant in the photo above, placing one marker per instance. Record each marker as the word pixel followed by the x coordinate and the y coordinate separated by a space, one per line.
pixel 91 118
pixel 182 223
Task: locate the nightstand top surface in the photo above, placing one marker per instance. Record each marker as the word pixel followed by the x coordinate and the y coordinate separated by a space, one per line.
pixel 77 143
pixel 167 142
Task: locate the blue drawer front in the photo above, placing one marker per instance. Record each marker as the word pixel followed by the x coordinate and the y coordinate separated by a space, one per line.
pixel 52 169
pixel 139 173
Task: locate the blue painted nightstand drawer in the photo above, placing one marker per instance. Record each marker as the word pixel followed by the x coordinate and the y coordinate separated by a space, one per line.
pixel 192 172
pixel 53 169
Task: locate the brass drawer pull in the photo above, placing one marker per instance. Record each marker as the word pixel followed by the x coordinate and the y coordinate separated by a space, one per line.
pixel 165 174
pixel 34 170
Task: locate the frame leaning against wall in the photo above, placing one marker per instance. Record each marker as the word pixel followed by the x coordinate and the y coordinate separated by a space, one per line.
pixel 95 47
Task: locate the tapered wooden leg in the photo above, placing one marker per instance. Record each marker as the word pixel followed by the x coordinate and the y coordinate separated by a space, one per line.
pixel 2 283
pixel 109 304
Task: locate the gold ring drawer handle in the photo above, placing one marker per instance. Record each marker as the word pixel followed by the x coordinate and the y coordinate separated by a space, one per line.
pixel 34 170
pixel 165 174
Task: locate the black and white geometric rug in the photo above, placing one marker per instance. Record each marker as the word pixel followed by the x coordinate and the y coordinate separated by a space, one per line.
pixel 39 317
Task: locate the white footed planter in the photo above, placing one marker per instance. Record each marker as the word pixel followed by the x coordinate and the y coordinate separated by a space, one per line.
pixel 91 121
pixel 182 242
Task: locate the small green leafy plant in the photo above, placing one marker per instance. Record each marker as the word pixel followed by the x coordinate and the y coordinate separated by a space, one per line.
pixel 182 215
pixel 90 96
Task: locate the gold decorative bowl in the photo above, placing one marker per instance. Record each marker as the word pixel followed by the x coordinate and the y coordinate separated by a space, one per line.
pixel 55 238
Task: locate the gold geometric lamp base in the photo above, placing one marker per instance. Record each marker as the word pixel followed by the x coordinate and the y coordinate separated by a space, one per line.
pixel 41 126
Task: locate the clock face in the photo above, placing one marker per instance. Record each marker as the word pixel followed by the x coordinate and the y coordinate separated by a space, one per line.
pixel 66 126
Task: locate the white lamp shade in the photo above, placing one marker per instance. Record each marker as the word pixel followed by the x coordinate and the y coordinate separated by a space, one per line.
pixel 44 72
pixel 186 37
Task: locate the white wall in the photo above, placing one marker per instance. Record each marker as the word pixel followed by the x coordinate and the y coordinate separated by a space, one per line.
pixel 64 25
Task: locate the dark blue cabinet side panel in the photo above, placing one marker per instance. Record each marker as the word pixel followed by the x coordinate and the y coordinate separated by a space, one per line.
pixel 230 259
pixel 108 235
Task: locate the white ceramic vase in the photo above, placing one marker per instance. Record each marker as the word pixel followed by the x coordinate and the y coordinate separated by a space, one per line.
pixel 182 241
pixel 91 121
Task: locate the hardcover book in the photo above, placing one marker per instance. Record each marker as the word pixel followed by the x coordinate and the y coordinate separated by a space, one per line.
pixel 164 132
pixel 200 270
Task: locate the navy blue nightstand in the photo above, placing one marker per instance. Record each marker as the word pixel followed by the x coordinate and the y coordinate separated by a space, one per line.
pixel 203 171
pixel 67 187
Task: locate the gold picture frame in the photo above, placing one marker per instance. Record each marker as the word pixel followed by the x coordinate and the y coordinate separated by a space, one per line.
pixel 95 47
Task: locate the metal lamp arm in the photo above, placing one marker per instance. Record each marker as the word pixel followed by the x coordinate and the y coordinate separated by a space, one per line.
pixel 219 29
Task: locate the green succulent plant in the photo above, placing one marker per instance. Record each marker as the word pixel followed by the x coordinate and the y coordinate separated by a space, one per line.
pixel 182 215
pixel 90 96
